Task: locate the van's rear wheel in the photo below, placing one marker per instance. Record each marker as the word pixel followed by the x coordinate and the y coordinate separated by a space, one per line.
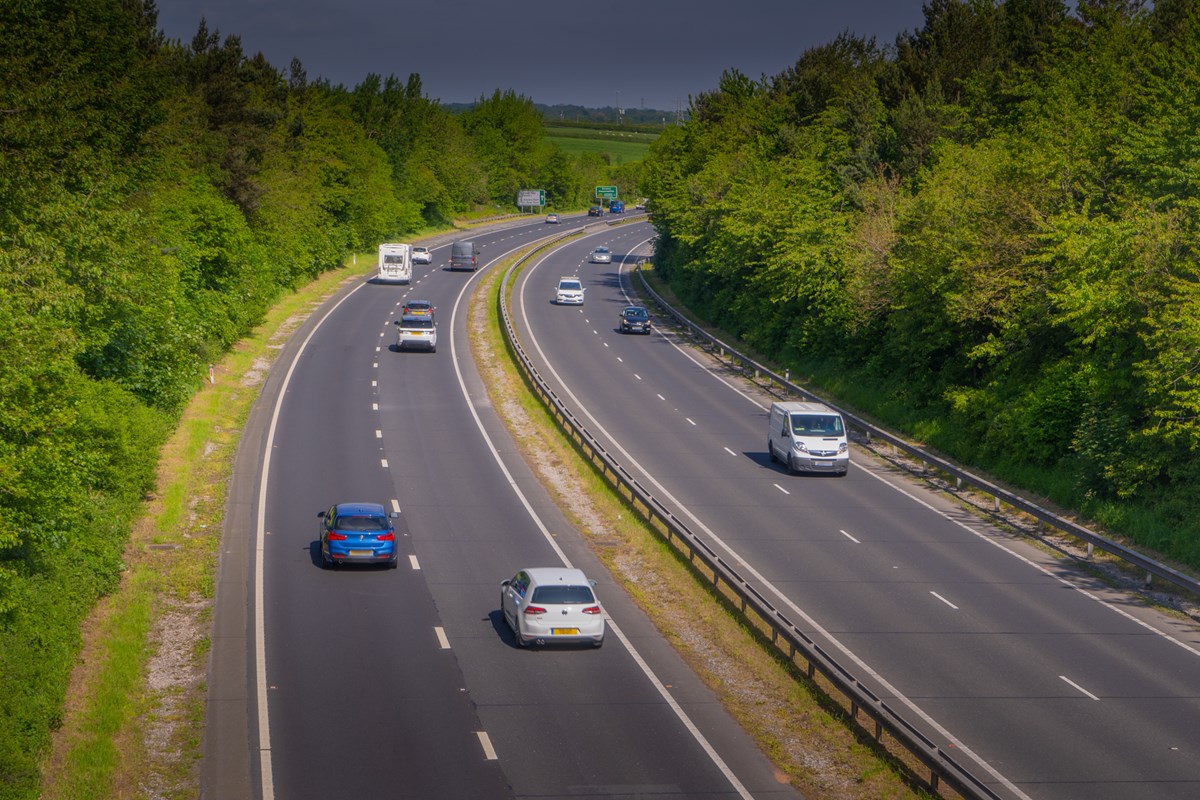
pixel 771 451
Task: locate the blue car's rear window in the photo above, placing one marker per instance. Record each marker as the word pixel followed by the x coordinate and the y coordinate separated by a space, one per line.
pixel 563 595
pixel 361 523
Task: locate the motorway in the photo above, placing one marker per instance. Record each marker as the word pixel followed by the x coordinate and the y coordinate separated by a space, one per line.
pixel 1043 683
pixel 374 683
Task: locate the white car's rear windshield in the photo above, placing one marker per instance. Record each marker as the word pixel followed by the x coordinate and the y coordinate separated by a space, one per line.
pixel 570 286
pixel 563 595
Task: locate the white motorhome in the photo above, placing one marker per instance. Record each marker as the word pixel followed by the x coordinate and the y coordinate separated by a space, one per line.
pixel 395 263
pixel 808 437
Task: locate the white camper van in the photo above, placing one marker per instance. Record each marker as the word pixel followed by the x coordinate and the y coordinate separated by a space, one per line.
pixel 395 263
pixel 808 437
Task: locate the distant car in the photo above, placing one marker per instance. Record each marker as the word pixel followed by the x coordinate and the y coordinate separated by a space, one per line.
pixel 552 605
pixel 569 292
pixel 417 308
pixel 416 332
pixel 552 219
pixel 641 205
pixel 616 207
pixel 361 533
pixel 595 211
pixel 422 255
pixel 601 255
pixel 635 319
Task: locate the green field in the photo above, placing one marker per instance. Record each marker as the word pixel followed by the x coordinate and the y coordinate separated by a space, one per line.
pixel 621 146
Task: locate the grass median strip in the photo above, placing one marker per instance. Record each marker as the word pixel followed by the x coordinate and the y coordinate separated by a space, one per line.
pixel 803 732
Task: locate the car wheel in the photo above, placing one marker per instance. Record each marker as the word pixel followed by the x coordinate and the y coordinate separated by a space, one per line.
pixel 791 467
pixel 598 644
pixel 394 563
pixel 433 349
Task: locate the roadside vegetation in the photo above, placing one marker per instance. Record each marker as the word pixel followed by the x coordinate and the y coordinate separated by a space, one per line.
pixel 613 144
pixel 984 236
pixel 156 199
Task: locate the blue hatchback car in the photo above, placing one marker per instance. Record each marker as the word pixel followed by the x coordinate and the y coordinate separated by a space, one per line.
pixel 358 533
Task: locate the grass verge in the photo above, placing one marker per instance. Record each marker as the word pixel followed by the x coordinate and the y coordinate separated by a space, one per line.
pixel 806 735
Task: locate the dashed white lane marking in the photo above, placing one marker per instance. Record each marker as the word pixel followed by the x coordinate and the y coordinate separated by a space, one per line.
pixel 944 600
pixel 639 377
pixel 780 488
pixel 377 348
pixel 381 334
pixel 606 344
pixel 383 463
pixel 412 562
pixel 374 384
pixel 690 421
pixel 374 406
pixel 443 642
pixel 660 397
pixel 620 359
pixel 727 450
pixel 1070 682
pixel 848 536
pixel 375 364
pixel 378 434
pixel 395 505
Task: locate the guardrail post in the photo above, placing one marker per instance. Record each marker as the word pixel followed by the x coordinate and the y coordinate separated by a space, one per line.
pixel 1091 550
pixel 1149 578
pixel 958 484
pixel 997 503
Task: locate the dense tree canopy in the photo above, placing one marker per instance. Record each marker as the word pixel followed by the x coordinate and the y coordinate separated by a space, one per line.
pixel 985 233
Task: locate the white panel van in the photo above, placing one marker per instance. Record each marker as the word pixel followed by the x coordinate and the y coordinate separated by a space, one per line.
pixel 808 437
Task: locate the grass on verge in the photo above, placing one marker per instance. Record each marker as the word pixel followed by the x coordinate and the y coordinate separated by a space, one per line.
pixel 134 719
pixel 805 734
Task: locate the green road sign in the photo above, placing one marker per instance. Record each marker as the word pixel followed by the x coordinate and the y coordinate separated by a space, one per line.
pixel 608 192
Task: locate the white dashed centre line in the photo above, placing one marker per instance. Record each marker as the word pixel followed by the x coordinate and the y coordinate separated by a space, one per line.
pixel 383 463
pixel 1077 686
pixel 944 600
pixel 378 434
pixel 489 752
pixel 412 562
pixel 378 348
pixel 780 488
pixel 443 642
pixel 375 365
pixel 848 536
pixel 374 406
pixel 660 397
pixel 374 384
pixel 620 359
pixel 639 377
pixel 727 450
pixel 690 421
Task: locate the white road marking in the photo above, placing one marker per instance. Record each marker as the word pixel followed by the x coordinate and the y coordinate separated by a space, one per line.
pixel 620 359
pixel 944 600
pixel 378 434
pixel 443 642
pixel 395 505
pixel 489 752
pixel 375 364
pixel 374 406
pixel 1077 686
pixel 660 397
pixel 412 562
pixel 780 488
pixel 727 450
pixel 639 377
pixel 606 344
pixel 377 348
pixel 383 463
pixel 848 536
pixel 374 384
pixel 690 421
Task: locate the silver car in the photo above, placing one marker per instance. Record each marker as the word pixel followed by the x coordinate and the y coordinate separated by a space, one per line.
pixel 414 331
pixel 601 255
pixel 552 605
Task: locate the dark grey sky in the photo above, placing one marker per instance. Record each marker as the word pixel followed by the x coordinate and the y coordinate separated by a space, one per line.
pixel 654 53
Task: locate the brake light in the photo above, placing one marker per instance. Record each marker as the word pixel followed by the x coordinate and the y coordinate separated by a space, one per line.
pixel 534 610
pixel 334 536
pixel 386 537
pixel 592 610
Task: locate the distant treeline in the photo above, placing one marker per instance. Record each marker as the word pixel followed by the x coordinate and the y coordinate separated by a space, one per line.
pixel 985 233
pixel 649 119
pixel 155 199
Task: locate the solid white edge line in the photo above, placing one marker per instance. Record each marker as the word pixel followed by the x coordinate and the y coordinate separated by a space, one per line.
pixel 679 712
pixel 1077 686
pixel 758 576
pixel 266 776
pixel 443 642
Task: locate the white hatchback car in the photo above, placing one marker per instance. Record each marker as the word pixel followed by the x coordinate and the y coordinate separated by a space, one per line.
pixel 569 292
pixel 601 255
pixel 422 255
pixel 552 604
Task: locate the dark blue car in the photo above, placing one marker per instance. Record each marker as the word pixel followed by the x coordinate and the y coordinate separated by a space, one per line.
pixel 358 533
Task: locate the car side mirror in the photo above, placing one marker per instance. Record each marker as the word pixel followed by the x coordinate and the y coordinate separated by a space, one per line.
pixel 504 583
pixel 396 322
pixel 320 515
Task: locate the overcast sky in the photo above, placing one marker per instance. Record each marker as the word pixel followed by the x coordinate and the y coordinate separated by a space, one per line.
pixel 640 53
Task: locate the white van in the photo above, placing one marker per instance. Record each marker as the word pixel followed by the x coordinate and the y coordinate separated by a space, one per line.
pixel 395 263
pixel 808 437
